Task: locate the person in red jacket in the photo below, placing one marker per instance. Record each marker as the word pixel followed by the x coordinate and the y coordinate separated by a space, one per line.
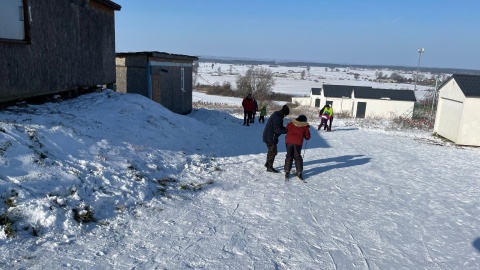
pixel 297 130
pixel 248 104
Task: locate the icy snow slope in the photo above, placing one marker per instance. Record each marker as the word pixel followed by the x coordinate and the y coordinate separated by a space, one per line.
pixel 374 199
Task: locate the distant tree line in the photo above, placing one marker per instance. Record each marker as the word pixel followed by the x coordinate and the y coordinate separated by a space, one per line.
pixel 397 78
pixel 335 67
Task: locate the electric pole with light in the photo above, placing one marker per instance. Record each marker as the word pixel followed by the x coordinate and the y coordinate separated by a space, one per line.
pixel 420 51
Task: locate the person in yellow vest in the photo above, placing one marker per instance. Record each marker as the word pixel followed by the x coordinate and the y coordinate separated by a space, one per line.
pixel 329 109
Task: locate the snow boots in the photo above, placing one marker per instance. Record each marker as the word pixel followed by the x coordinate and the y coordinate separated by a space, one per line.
pixel 271 169
pixel 269 165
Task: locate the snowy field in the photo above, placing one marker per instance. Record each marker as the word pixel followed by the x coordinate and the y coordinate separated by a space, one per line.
pixel 190 192
pixel 288 79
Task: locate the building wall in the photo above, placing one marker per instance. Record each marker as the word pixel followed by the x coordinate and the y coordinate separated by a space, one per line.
pixel 158 79
pixel 375 107
pixel 469 127
pixel 449 119
pixel 96 61
pixel 452 91
pixel 71 46
pixel 132 75
pixel 341 105
pixel 450 111
pixel 313 99
pixel 303 101
pixel 385 108
pixel 170 77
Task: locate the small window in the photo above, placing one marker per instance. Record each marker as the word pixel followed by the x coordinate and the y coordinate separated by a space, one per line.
pixel 14 21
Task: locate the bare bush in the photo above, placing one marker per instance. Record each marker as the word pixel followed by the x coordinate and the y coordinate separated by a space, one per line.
pixel 257 81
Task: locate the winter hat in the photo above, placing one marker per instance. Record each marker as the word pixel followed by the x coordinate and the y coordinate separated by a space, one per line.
pixel 285 110
pixel 301 118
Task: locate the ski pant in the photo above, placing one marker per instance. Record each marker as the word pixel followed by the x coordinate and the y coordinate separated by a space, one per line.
pixel 330 123
pixel 261 119
pixel 294 153
pixel 252 119
pixel 272 152
pixel 323 124
pixel 247 117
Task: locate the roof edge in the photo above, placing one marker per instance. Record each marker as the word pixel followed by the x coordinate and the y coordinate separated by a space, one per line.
pixel 158 54
pixel 109 4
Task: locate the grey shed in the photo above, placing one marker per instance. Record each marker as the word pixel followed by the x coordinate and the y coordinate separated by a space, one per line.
pixel 163 77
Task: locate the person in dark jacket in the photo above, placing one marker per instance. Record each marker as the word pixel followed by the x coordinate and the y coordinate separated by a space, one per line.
pixel 255 109
pixel 248 104
pixel 273 129
pixel 297 130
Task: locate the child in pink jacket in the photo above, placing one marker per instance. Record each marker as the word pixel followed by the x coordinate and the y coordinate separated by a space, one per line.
pixel 324 119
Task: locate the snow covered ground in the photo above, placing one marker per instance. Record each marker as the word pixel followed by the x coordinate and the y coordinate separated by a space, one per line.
pixel 178 192
pixel 288 79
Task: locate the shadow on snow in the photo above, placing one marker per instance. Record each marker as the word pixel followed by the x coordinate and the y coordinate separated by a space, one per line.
pixel 334 163
pixel 476 244
pixel 241 140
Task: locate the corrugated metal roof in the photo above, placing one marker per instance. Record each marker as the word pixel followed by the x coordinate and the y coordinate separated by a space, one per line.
pixel 160 55
pixel 332 90
pixel 469 84
pixel 392 94
pixel 338 91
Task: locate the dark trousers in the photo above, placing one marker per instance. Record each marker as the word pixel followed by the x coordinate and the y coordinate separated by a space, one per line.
pixel 323 124
pixel 294 153
pixel 272 152
pixel 252 119
pixel 330 123
pixel 261 119
pixel 247 117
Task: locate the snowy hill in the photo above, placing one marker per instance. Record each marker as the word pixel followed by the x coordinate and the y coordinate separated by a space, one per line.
pixel 288 79
pixel 165 191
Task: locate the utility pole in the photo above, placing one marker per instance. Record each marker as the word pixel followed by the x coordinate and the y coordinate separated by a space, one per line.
pixel 420 51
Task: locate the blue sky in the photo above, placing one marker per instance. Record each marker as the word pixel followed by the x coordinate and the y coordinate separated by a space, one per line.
pixel 369 32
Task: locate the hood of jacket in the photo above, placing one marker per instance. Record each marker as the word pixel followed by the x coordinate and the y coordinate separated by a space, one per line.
pixel 299 124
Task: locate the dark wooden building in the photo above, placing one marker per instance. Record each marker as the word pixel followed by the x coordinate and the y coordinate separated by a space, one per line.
pixel 53 46
pixel 163 77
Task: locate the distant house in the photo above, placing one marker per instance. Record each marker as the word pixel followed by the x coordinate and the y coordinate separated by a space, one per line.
pixel 163 77
pixel 55 46
pixel 312 101
pixel 383 103
pixel 362 101
pixel 458 117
